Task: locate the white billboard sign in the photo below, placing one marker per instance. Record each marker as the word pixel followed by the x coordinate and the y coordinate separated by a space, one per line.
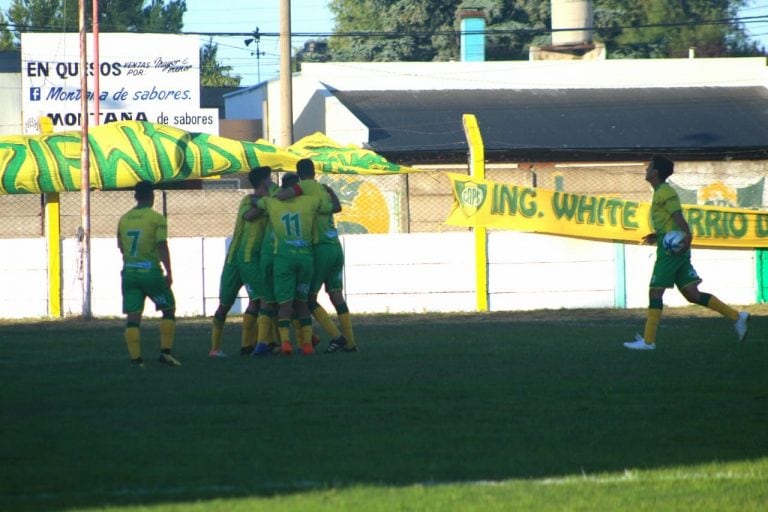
pixel 142 77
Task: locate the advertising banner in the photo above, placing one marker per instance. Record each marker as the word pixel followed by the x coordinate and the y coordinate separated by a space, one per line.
pixel 142 77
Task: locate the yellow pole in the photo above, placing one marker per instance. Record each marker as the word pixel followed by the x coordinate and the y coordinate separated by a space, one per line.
pixel 477 170
pixel 52 217
pixel 53 237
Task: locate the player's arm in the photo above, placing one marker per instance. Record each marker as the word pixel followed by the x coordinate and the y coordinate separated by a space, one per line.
pixel 165 258
pixel 288 193
pixel 119 242
pixel 334 199
pixel 682 225
pixel 254 212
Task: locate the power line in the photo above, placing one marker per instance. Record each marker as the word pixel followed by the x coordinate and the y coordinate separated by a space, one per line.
pixel 487 31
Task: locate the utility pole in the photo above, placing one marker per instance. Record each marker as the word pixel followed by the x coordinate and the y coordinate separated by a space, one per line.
pixel 286 85
pixel 85 170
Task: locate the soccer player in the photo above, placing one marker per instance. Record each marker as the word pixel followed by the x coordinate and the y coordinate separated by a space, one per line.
pixel 142 237
pixel 674 269
pixel 267 319
pixel 242 268
pixel 328 260
pixel 292 221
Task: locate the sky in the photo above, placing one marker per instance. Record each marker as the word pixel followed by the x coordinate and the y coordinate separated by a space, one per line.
pixel 307 17
pixel 310 19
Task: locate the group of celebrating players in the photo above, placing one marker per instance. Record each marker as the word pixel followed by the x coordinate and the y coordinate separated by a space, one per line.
pixel 284 249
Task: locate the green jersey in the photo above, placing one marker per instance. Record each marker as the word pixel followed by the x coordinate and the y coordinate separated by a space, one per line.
pixel 247 235
pixel 665 202
pixel 138 233
pixel 325 228
pixel 293 221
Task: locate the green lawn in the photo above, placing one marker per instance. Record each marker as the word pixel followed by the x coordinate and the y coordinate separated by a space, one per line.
pixel 498 412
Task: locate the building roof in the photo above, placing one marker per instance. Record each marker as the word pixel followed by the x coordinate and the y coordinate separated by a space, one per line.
pixel 535 124
pixel 213 97
pixel 10 62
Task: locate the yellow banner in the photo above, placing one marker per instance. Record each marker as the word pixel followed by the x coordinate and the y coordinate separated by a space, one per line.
pixel 124 153
pixel 482 203
pixel 331 157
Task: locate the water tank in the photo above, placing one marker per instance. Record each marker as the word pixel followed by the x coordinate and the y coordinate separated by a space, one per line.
pixel 575 14
pixel 472 20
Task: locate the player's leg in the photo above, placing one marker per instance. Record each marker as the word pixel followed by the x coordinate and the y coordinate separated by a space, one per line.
pixel 319 275
pixel 162 295
pixel 345 319
pixel 285 289
pixel 663 277
pixel 133 307
pixel 689 287
pixel 334 286
pixel 251 275
pixel 265 344
pixel 229 284
pixel 304 272
pixel 133 338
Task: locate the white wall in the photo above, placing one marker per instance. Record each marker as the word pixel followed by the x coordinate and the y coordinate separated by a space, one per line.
pixel 23 278
pixel 10 103
pixel 427 272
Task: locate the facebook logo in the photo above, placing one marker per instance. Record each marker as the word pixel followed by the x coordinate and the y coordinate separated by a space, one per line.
pixel 34 93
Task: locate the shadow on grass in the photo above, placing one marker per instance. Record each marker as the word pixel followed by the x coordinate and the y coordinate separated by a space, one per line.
pixel 429 399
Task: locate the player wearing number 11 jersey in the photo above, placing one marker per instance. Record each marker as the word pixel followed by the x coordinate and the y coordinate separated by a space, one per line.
pixel 292 222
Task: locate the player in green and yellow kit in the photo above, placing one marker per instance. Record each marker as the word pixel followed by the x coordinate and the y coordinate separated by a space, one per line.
pixel 267 320
pixel 242 268
pixel 292 222
pixel 142 237
pixel 674 269
pixel 328 260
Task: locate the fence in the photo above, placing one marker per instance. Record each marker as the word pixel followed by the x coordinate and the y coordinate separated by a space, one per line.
pixel 414 204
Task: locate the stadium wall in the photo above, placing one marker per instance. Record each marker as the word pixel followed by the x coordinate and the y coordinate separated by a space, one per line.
pixel 391 273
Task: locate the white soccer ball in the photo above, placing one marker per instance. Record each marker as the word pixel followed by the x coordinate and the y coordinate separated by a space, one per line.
pixel 673 242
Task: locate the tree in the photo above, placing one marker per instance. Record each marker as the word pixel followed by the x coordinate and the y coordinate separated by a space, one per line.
pixel 114 16
pixel 408 30
pixel 212 73
pixel 663 28
pixel 6 37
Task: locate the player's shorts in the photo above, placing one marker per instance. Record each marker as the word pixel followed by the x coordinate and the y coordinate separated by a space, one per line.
pixel 329 265
pixel 292 276
pixel 673 270
pixel 236 275
pixel 266 264
pixel 137 285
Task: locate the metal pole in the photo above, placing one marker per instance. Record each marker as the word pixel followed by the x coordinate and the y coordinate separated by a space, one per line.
pixel 286 86
pixel 85 170
pixel 96 64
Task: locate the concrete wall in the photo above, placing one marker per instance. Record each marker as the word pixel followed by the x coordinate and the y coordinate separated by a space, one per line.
pixel 10 104
pixel 425 272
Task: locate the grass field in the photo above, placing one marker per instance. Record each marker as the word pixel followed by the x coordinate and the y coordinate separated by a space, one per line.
pixel 496 412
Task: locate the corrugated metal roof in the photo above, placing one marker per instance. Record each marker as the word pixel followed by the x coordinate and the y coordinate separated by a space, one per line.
pixel 708 121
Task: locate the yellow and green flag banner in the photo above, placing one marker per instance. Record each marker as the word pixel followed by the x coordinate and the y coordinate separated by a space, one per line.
pixel 489 204
pixel 124 153
pixel 331 157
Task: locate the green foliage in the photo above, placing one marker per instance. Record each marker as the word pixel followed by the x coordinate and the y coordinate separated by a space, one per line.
pixel 487 412
pixel 426 30
pixel 663 28
pixel 212 73
pixel 6 37
pixel 114 16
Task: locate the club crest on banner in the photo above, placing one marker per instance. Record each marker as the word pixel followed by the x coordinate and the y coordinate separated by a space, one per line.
pixel 471 196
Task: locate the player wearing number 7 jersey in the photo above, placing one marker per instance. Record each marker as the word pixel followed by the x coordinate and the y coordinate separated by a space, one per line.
pixel 142 239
